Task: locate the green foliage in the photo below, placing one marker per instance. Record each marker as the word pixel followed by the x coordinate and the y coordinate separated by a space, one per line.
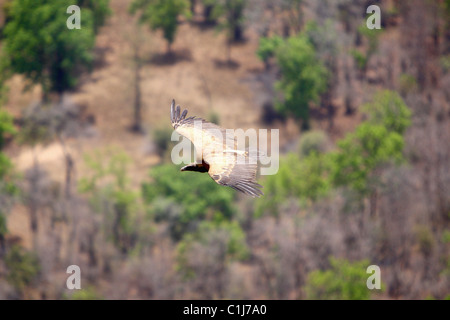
pixel 388 109
pixel 7 178
pixel 372 37
pixel 23 267
pixel 3 225
pixel 185 198
pixel 6 183
pixel 268 47
pixel 225 238
pixel 303 77
pixel 233 13
pixel 5 74
pixel 304 179
pixel 39 45
pixel 376 141
pixel 360 59
pixel 161 14
pixel 100 11
pixel 313 174
pixel 6 127
pixel 360 152
pixel 88 293
pixel 446 236
pixel 445 63
pixel 446 5
pixel 343 281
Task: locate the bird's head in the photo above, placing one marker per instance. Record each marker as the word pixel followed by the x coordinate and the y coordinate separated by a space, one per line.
pixel 194 167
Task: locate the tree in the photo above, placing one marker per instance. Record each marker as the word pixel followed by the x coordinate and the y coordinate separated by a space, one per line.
pixel 343 281
pixel 184 201
pixel 209 12
pixel 7 185
pixel 100 11
pixel 267 48
pixel 303 77
pixel 387 108
pixel 302 179
pixel 161 14
pixel 137 41
pixel 361 152
pixel 6 128
pixel 362 57
pixel 376 142
pixel 39 45
pixel 324 39
pixel 232 12
pixel 23 267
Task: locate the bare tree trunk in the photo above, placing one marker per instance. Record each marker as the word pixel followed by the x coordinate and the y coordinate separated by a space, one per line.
pixel 137 125
pixel 2 244
pixel 68 159
pixel 192 6
pixel 373 200
pixel 228 51
pixel 32 201
pixel 169 48
pixel 207 15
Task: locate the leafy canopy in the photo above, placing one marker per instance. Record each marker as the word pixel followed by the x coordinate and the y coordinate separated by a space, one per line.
pixel 232 12
pixel 161 14
pixel 185 198
pixel 303 179
pixel 268 46
pixel 376 141
pixel 38 44
pixel 387 108
pixel 100 11
pixel 313 173
pixel 23 267
pixel 303 76
pixel 7 177
pixel 361 152
pixel 343 281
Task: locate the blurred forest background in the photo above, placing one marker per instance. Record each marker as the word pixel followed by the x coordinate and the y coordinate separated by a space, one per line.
pixel 85 170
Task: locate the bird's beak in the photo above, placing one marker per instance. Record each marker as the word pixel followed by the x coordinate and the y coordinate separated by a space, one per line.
pixel 184 168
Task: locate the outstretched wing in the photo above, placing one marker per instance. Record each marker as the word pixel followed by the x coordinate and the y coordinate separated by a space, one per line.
pixel 207 137
pixel 227 171
pixel 227 165
pixel 177 118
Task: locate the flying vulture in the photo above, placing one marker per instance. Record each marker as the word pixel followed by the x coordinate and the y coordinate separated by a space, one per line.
pixel 217 154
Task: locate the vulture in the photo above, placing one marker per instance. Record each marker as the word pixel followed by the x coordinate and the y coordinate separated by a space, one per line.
pixel 217 154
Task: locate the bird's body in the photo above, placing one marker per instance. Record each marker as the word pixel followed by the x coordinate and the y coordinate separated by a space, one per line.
pixel 217 153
